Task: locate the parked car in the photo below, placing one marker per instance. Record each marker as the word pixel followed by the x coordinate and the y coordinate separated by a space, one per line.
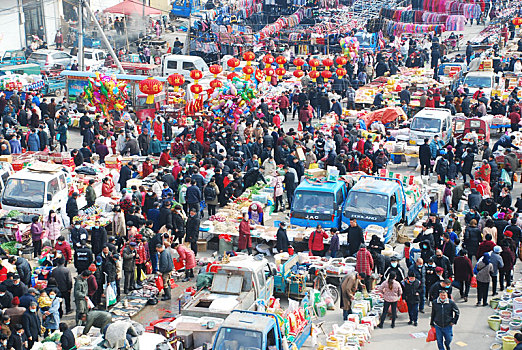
pixel 48 59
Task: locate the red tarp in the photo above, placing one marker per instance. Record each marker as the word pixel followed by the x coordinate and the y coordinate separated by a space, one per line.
pixel 132 7
pixel 384 115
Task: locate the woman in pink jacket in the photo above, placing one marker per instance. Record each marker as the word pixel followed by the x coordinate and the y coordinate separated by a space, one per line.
pixel 52 226
pixel 188 257
pixel 391 291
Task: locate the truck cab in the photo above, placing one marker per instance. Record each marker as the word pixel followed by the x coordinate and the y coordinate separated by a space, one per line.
pixel 244 330
pixel 182 64
pixel 236 285
pixel 34 191
pixel 367 41
pixel 94 59
pixel 430 122
pixel 481 79
pixel 318 203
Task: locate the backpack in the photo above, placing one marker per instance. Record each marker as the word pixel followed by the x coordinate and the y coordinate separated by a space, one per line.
pixel 209 193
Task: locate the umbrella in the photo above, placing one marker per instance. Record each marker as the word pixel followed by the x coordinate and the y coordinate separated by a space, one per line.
pixel 131 7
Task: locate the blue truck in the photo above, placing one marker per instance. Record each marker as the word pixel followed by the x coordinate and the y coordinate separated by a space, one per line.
pixel 367 41
pixel 380 201
pixel 318 203
pixel 256 330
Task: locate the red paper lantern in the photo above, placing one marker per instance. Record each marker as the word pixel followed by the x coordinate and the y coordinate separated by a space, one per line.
pixel 298 73
pixel 176 79
pixel 196 74
pixel 280 60
pixel 280 72
pixel 249 56
pixel 398 88
pixel 313 74
pixel 248 70
pixel 232 75
pixel 196 90
pixel 340 72
pixel 341 60
pixel 326 74
pixel 233 62
pixel 517 21
pixel 328 62
pixel 299 62
pixel 268 59
pixel 314 63
pixel 216 84
pixel 150 87
pixel 215 69
pixel 269 71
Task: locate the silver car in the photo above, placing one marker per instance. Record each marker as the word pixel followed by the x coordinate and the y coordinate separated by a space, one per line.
pixel 47 59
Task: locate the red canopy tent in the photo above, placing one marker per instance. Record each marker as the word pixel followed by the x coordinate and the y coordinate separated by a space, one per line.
pixel 384 115
pixel 131 7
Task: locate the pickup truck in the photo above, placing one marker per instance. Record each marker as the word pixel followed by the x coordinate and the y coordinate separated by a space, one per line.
pixel 235 285
pixel 318 203
pixel 384 202
pixel 256 330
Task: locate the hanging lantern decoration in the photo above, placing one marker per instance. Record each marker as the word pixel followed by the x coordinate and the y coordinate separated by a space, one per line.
pixel 196 89
pixel 248 70
pixel 313 74
pixel 196 74
pixel 328 62
pixel 314 63
pixel 176 80
pixel 298 73
pixel 341 72
pixel 233 63
pixel 269 71
pixel 216 84
pixel 268 59
pixel 249 56
pixel 232 75
pixel 280 72
pixel 299 62
pixel 341 61
pixel 215 69
pixel 517 21
pixel 326 74
pixel 150 87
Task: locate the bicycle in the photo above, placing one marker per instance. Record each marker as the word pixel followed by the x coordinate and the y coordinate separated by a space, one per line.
pixel 324 287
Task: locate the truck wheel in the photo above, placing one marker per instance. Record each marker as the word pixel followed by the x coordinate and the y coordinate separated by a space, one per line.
pixel 58 92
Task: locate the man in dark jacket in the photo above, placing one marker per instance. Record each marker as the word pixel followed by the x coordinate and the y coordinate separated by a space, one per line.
pixel 23 268
pixel 125 175
pixel 165 214
pixel 193 196
pixel 355 236
pixel 289 182
pixel 71 208
pixel 5 297
pixel 82 257
pixel 98 238
pixel 419 271
pixel 411 293
pixel 129 264
pixel 165 267
pixel 31 323
pixel 67 340
pixel 425 157
pixel 448 247
pixel 444 315
pixel 192 228
pixel 63 278
pixel 442 261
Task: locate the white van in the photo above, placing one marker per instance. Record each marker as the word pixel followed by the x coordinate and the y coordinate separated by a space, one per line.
pixel 478 79
pixel 182 64
pixel 35 191
pixel 94 59
pixel 430 122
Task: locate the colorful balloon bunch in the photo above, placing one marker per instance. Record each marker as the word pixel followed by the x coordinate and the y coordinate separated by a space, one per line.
pixel 231 101
pixel 105 93
pixel 350 46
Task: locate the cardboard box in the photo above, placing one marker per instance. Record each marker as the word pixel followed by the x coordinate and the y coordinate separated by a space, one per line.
pixel 6 158
pixel 165 329
pixel 315 173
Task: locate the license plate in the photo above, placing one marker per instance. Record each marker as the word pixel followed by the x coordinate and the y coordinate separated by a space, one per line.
pixel 413 142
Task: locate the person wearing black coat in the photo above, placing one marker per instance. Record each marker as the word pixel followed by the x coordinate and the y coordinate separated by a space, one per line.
pixel 488 205
pixel 67 340
pixel 411 294
pixel 355 237
pixel 467 165
pixel 98 238
pixel 425 157
pixel 71 208
pixel 23 268
pixel 165 214
pixel 442 261
pixel 18 341
pixel 82 258
pixel 424 235
pixel 125 175
pixel 438 230
pixel 178 224
pixel 192 228
pixel 515 230
pixel 282 239
pixel 289 182
pixel 472 239
pixel 448 247
pixel 32 325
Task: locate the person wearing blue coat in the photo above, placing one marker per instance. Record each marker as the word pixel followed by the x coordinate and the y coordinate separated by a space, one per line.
pixel 33 141
pixel 435 146
pixel 51 319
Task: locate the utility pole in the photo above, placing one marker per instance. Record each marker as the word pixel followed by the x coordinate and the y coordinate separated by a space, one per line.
pixel 104 38
pixel 80 36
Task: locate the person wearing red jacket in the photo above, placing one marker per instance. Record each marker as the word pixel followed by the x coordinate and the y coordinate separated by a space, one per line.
pixel 514 118
pixel 284 103
pixel 141 257
pixel 360 145
pixel 188 258
pixel 485 246
pixel 147 168
pixel 107 187
pixel 315 242
pixel 164 158
pixel 64 247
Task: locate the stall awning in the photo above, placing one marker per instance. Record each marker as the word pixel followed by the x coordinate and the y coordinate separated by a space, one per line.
pixel 384 115
pixel 132 7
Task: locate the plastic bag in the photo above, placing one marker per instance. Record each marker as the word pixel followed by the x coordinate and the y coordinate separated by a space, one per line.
pixel 159 283
pixel 328 299
pixel 90 304
pixel 402 306
pixel 505 176
pixel 432 335
pixel 473 282
pixel 110 296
